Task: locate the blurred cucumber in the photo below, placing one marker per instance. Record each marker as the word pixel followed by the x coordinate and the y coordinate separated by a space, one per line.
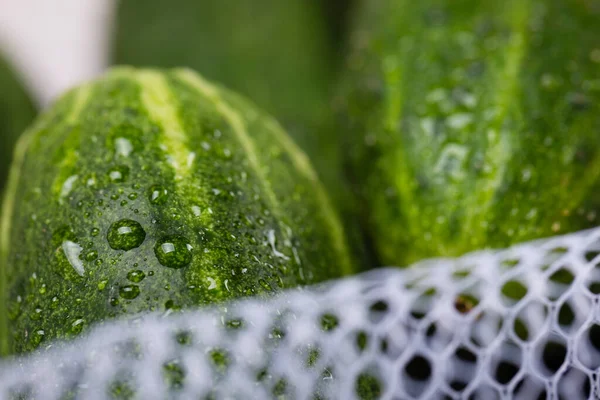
pixel 16 112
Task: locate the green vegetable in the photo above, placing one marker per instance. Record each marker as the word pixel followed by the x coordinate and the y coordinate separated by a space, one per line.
pixel 16 112
pixel 156 190
pixel 277 53
pixel 284 55
pixel 473 124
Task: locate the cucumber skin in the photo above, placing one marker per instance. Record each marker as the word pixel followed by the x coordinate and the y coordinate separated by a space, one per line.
pixel 472 124
pixel 237 190
pixel 16 112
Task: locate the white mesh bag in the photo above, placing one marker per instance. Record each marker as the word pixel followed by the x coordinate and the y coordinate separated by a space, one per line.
pixel 522 323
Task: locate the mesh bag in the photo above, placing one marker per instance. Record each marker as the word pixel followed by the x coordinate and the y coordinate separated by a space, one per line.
pixel 521 323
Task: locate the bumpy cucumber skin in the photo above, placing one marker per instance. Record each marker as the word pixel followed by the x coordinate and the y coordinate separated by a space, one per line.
pixel 16 113
pixel 472 124
pixel 192 164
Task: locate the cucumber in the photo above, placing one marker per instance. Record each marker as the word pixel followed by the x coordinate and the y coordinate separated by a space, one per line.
pixel 277 53
pixel 156 190
pixel 16 112
pixel 472 124
pixel 284 55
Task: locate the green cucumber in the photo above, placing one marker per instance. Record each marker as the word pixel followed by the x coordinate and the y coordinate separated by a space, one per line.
pixel 473 124
pixel 280 54
pixel 16 112
pixel 277 52
pixel 156 190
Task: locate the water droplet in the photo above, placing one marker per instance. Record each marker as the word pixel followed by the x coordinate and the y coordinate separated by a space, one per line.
pixel 37 337
pixel 265 285
pixel 119 173
pixel 271 238
pixel 91 255
pixel 114 301
pixel 460 120
pixel 54 302
pixel 37 313
pixel 190 159
pixel 173 251
pixel 67 186
pixel 136 276
pixel 123 147
pixel 77 326
pixel 212 284
pixel 132 196
pixel 91 181
pixel 129 292
pixel 436 95
pixel 125 234
pixel 72 251
pixel 157 194
pixel 102 284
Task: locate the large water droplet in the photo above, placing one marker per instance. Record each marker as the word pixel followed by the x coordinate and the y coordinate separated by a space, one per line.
pixel 125 234
pixel 157 194
pixel 72 251
pixel 173 251
pixel 129 292
pixel 136 276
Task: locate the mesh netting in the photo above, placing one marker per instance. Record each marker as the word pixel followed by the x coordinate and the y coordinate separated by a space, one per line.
pixel 522 323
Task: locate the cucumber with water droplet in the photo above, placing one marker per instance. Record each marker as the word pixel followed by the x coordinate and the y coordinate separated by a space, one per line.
pixel 280 54
pixel 155 190
pixel 472 124
pixel 16 112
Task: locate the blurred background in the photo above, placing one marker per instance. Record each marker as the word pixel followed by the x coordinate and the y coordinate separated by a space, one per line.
pixel 283 55
pixel 53 45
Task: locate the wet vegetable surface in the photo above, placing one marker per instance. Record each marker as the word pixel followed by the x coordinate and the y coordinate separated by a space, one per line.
pixel 156 190
pixel 473 124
